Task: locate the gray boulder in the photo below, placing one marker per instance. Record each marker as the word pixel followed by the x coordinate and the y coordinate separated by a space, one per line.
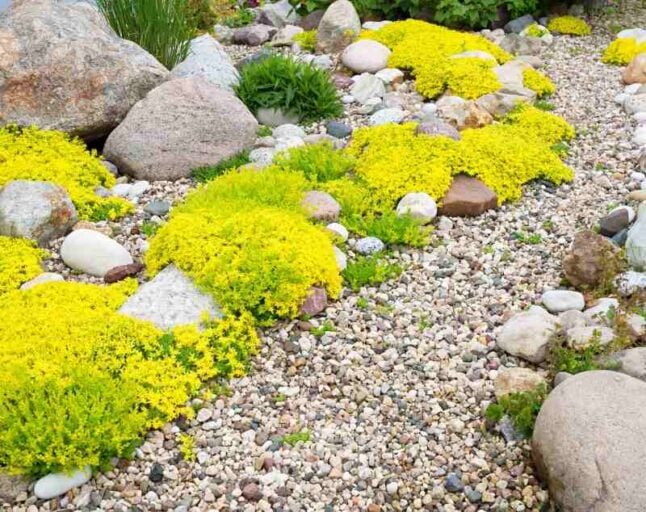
pixel 339 26
pixel 517 25
pixel 63 68
pixel 527 335
pixel 35 210
pixel 181 125
pixel 366 87
pixel 636 242
pixel 169 300
pixel 254 35
pixel 588 443
pixel 279 14
pixel 208 59
pixel 519 45
pixel 631 362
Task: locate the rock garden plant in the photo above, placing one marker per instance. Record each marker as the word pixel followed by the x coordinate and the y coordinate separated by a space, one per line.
pixel 296 89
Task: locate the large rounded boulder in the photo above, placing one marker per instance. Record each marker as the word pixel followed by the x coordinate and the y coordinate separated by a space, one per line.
pixel 63 68
pixel 183 124
pixel 589 445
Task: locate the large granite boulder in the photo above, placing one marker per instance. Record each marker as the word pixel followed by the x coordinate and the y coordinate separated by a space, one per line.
pixel 339 26
pixel 208 59
pixel 63 68
pixel 589 445
pixel 181 125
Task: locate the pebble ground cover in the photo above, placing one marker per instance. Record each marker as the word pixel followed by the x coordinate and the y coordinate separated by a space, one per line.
pixel 375 405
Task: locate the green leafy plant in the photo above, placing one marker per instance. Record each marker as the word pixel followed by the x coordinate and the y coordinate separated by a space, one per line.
pixel 204 174
pixel 296 437
pixel 187 447
pixel 239 18
pixel 162 27
pixel 396 229
pixel 369 270
pixel 149 228
pixel 318 162
pixel 522 409
pixel 527 239
pixel 306 40
pixel 327 326
pixel 297 88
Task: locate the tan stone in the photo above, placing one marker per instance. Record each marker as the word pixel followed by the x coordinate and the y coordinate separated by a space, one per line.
pixel 635 72
pixel 588 259
pixel 516 380
pixel 465 115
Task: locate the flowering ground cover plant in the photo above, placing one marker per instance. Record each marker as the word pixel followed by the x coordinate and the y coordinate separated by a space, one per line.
pixel 45 155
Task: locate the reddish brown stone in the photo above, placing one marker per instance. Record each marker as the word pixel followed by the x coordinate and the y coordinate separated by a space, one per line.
pixel 342 81
pixel 591 259
pixel 468 197
pixel 122 271
pixel 315 303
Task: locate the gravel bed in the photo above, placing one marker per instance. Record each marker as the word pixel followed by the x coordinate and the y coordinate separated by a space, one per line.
pixel 392 397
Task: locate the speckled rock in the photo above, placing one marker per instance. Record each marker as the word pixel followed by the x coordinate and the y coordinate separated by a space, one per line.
pixel 588 445
pixel 170 299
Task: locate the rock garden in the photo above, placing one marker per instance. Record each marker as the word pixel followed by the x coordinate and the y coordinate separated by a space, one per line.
pixel 320 256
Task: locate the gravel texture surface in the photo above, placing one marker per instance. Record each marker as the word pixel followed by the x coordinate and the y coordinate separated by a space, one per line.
pixel 392 396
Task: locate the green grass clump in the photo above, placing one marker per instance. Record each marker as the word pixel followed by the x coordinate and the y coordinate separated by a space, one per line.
pixel 204 174
pixel 369 270
pixel 297 437
pixel 297 88
pixel 162 27
pixel 393 229
pixel 522 409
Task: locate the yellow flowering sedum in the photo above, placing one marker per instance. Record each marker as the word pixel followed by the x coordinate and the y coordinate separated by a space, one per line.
pixel 245 239
pixel 426 50
pixel 19 262
pixel 538 82
pixel 81 383
pixel 42 155
pixel 621 51
pixel 535 30
pixel 392 160
pixel 570 25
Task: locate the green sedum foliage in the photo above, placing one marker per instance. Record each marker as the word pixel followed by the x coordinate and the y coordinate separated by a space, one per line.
pixel 522 408
pixel 279 82
pixel 369 271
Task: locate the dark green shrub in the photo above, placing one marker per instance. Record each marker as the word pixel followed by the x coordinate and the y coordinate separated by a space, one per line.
pixel 279 82
pixel 162 27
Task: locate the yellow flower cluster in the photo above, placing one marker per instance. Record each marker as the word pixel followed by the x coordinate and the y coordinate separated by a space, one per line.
pixel 392 160
pixel 570 25
pixel 244 238
pixel 19 262
pixel 426 50
pixel 41 155
pixel 81 382
pixel 538 82
pixel 306 40
pixel 622 51
pixel 535 30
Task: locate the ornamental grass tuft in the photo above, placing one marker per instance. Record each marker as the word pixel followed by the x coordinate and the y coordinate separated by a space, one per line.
pixel 164 28
pixel 297 88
